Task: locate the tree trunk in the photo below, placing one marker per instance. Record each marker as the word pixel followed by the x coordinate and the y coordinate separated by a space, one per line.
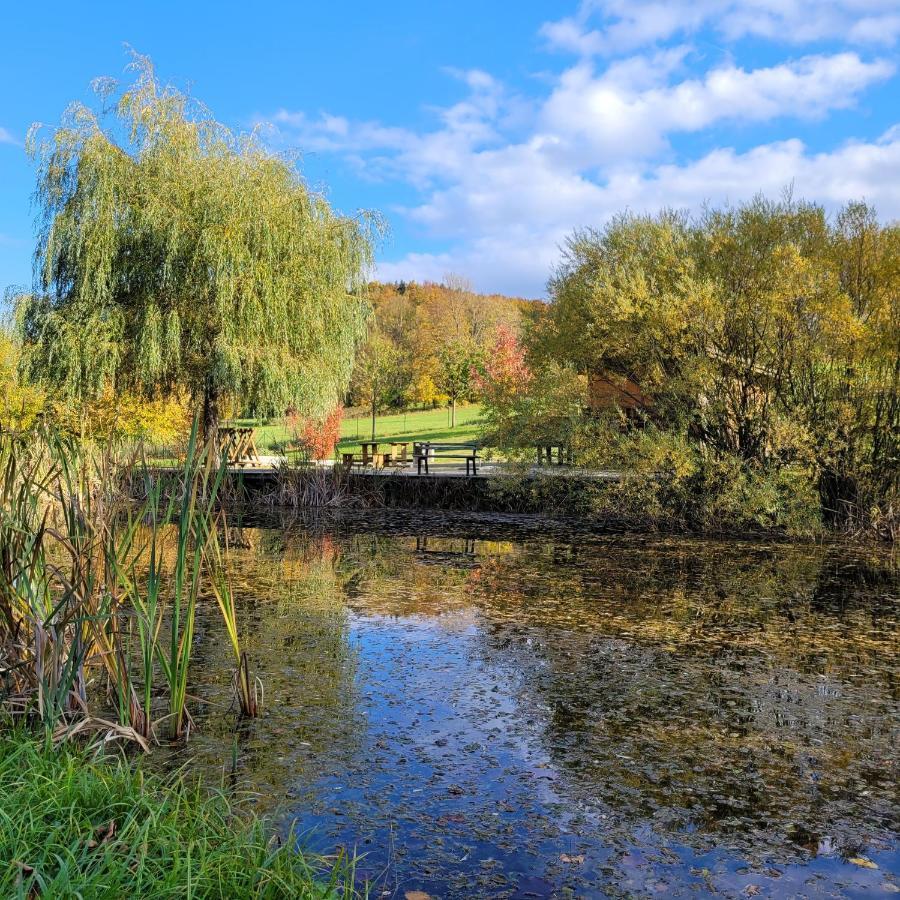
pixel 210 422
pixel 453 412
pixel 373 418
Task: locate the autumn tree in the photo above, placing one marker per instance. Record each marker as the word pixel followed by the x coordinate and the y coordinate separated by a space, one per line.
pixel 177 255
pixel 456 360
pixel 624 300
pixel 844 376
pixel 523 408
pixel 20 402
pixel 767 333
pixel 504 371
pixel 423 320
pixel 375 376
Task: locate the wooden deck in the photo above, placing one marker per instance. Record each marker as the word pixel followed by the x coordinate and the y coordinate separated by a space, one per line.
pixel 268 471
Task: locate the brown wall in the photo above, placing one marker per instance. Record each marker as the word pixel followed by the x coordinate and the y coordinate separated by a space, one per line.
pixel 605 391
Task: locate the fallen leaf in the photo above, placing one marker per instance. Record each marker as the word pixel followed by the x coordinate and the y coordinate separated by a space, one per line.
pixel 417 895
pixel 862 861
pixel 26 871
pixel 574 860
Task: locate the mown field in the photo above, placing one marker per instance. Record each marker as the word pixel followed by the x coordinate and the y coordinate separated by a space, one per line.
pixel 421 425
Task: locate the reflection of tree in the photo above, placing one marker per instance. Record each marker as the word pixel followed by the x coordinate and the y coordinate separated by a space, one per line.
pixel 294 626
pixel 740 690
pixel 724 688
pixel 407 575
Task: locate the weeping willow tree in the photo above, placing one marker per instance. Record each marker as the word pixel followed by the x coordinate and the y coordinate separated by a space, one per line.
pixel 175 255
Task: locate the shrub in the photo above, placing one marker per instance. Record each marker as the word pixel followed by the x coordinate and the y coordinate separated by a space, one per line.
pixel 318 437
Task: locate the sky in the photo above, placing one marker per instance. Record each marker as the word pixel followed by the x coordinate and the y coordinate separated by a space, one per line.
pixel 486 132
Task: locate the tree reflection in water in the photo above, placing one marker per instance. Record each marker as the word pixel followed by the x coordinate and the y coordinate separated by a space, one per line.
pixel 484 708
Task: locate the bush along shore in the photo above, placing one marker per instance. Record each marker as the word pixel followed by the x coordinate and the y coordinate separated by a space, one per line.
pixel 716 497
pixel 76 822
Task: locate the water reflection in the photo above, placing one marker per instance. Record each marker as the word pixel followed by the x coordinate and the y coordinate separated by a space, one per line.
pixel 488 709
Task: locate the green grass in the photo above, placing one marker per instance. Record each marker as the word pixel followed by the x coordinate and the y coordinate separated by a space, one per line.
pixel 421 425
pixel 76 824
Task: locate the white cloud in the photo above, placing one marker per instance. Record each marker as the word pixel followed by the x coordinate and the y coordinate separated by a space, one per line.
pixel 502 180
pixel 515 234
pixel 620 26
pixel 607 118
pixel 7 138
pixel 589 120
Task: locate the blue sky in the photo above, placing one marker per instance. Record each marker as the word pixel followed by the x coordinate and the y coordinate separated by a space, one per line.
pixel 486 132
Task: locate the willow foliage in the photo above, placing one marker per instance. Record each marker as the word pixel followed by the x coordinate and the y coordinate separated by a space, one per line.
pixel 175 253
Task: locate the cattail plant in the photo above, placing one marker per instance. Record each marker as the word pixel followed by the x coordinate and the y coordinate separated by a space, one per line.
pixel 87 590
pixel 246 690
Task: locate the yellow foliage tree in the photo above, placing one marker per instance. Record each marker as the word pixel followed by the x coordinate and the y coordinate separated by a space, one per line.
pixel 20 403
pixel 127 417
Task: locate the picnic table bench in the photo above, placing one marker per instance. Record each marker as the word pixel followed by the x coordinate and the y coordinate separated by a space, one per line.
pixel 238 446
pixel 423 451
pixel 396 457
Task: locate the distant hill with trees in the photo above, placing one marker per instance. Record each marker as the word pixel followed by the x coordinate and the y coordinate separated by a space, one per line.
pixel 426 339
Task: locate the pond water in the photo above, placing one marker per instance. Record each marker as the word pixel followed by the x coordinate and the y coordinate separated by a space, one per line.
pixel 485 707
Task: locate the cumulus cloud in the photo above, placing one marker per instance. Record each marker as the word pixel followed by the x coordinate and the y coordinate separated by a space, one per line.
pixel 502 179
pixel 610 118
pixel 608 27
pixel 516 233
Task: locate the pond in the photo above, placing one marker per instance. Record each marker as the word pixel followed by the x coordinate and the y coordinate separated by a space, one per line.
pixel 490 707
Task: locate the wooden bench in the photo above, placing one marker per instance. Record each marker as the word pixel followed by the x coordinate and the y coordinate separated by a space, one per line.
pixel 423 451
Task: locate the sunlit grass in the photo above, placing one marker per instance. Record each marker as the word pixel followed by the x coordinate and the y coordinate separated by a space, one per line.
pixel 72 824
pixel 420 425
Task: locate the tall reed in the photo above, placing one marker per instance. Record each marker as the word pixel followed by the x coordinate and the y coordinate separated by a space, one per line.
pixel 87 593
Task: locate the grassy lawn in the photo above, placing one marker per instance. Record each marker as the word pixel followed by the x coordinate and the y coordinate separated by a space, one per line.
pixel 424 425
pixel 75 825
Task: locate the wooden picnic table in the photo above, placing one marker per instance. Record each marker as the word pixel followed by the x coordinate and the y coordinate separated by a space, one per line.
pixel 375 460
pixel 399 455
pixel 424 451
pixel 563 454
pixel 238 446
pixel 396 457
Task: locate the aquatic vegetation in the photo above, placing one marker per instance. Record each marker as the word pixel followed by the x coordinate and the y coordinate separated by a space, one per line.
pixel 98 595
